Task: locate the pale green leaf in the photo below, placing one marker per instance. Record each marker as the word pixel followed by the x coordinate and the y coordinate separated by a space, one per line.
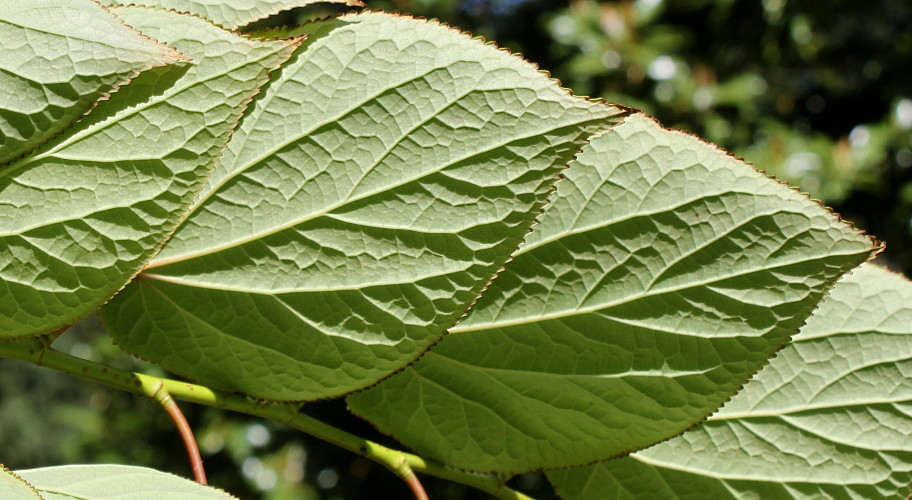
pixel 829 417
pixel 12 487
pixel 82 215
pixel 59 58
pixel 373 189
pixel 230 13
pixel 664 274
pixel 116 482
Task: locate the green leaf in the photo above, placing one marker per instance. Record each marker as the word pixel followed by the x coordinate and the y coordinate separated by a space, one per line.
pixel 664 275
pixel 371 192
pixel 116 482
pixel 829 417
pixel 81 216
pixel 230 13
pixel 59 58
pixel 12 487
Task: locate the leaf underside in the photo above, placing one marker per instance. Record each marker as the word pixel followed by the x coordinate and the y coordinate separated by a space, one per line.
pixel 664 274
pixel 829 417
pixel 12 487
pixel 59 58
pixel 230 14
pixel 378 184
pixel 83 214
pixel 116 482
pixel 375 186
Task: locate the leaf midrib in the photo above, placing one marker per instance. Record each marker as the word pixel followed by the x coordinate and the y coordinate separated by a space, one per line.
pixel 114 120
pixel 343 203
pixel 626 300
pixel 574 229
pixel 70 37
pixel 560 375
pixel 724 479
pixel 805 409
pixel 259 111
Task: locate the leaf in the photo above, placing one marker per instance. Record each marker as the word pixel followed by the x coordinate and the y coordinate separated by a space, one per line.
pixel 12 487
pixel 231 13
pixel 59 58
pixel 829 417
pixel 664 274
pixel 373 189
pixel 120 482
pixel 80 217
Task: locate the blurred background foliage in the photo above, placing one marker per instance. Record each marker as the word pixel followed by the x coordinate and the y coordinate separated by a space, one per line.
pixel 817 93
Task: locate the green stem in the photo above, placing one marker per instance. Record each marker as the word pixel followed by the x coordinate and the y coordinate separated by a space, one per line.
pixel 34 351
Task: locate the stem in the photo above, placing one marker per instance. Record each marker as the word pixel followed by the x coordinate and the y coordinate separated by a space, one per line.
pixel 416 487
pixel 408 475
pixel 35 352
pixel 162 397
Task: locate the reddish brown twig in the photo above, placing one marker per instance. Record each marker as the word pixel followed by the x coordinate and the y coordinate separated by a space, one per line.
pixel 415 485
pixel 163 398
pixel 404 470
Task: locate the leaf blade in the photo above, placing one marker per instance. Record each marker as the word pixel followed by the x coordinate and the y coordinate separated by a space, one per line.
pixel 828 417
pixel 232 13
pixel 14 487
pixel 82 215
pixel 408 171
pixel 61 57
pixel 99 482
pixel 631 313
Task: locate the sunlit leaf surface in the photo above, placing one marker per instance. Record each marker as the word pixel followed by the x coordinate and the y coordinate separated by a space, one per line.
pixel 663 275
pixel 230 13
pixel 375 187
pixel 116 482
pixel 12 487
pixel 829 417
pixel 84 213
pixel 59 58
